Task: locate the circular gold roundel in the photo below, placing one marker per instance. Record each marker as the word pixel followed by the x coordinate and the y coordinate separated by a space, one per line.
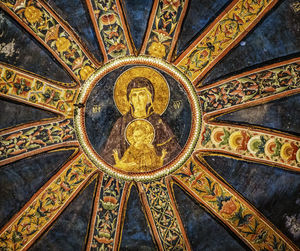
pixel 139 130
pixel 139 118
pixel 161 89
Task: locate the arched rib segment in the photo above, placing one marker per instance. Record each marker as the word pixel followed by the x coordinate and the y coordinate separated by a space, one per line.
pixel 28 88
pixel 251 88
pixel 53 33
pixel 111 28
pixel 163 216
pixel 256 144
pixel 230 208
pixel 221 36
pixel 163 28
pixel 34 138
pixel 46 205
pixel 109 209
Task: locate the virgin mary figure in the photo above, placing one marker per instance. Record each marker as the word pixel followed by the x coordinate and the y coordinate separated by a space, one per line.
pixel 140 95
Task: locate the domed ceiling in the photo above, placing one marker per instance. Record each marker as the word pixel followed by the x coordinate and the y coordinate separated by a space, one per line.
pixel 149 125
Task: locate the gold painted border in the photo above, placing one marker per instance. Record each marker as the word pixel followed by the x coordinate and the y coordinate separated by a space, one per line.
pixel 79 122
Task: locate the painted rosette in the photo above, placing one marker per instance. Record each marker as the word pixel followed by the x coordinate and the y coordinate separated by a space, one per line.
pixel 217 136
pixel 286 151
pixel 271 148
pixel 235 140
pixel 298 156
pixel 253 144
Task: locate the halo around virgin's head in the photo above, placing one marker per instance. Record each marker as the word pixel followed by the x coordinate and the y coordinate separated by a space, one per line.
pixel 161 88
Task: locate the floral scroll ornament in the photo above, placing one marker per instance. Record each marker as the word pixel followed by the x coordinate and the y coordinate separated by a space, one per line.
pixel 59 39
pixel 250 88
pixel 233 211
pixel 221 36
pixel 217 197
pixel 106 214
pixel 164 216
pixel 34 90
pixel 34 138
pixel 26 227
pixel 164 26
pixel 110 28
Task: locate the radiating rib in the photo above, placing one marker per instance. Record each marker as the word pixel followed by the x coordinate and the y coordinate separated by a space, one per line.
pixel 163 28
pixel 221 36
pixel 162 214
pixel 28 88
pixel 251 143
pixel 251 88
pixel 46 205
pixel 230 208
pixel 111 28
pixel 106 223
pixel 53 33
pixel 34 138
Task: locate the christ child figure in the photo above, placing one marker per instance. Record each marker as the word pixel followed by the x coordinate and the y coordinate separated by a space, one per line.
pixel 141 155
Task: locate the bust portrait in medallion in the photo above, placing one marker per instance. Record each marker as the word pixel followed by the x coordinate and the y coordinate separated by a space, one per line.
pixel 140 141
pixel 137 120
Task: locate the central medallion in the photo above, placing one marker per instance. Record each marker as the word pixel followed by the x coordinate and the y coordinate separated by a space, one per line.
pixel 138 118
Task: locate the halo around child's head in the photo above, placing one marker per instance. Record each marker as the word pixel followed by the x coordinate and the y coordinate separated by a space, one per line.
pixel 139 124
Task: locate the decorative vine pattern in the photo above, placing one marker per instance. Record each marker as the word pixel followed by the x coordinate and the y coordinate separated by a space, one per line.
pixel 111 30
pixel 252 144
pixel 35 138
pixel 162 212
pixel 230 28
pixel 38 18
pixel 109 27
pixel 167 21
pixel 27 88
pixel 50 202
pixel 251 88
pixel 106 213
pixel 228 207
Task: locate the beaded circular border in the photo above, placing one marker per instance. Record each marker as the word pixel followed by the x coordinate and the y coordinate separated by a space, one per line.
pixel 87 148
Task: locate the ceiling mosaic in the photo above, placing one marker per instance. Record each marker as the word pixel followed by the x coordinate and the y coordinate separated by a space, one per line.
pixel 149 125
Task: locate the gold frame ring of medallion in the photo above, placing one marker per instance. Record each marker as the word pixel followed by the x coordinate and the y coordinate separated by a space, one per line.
pixel 145 66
